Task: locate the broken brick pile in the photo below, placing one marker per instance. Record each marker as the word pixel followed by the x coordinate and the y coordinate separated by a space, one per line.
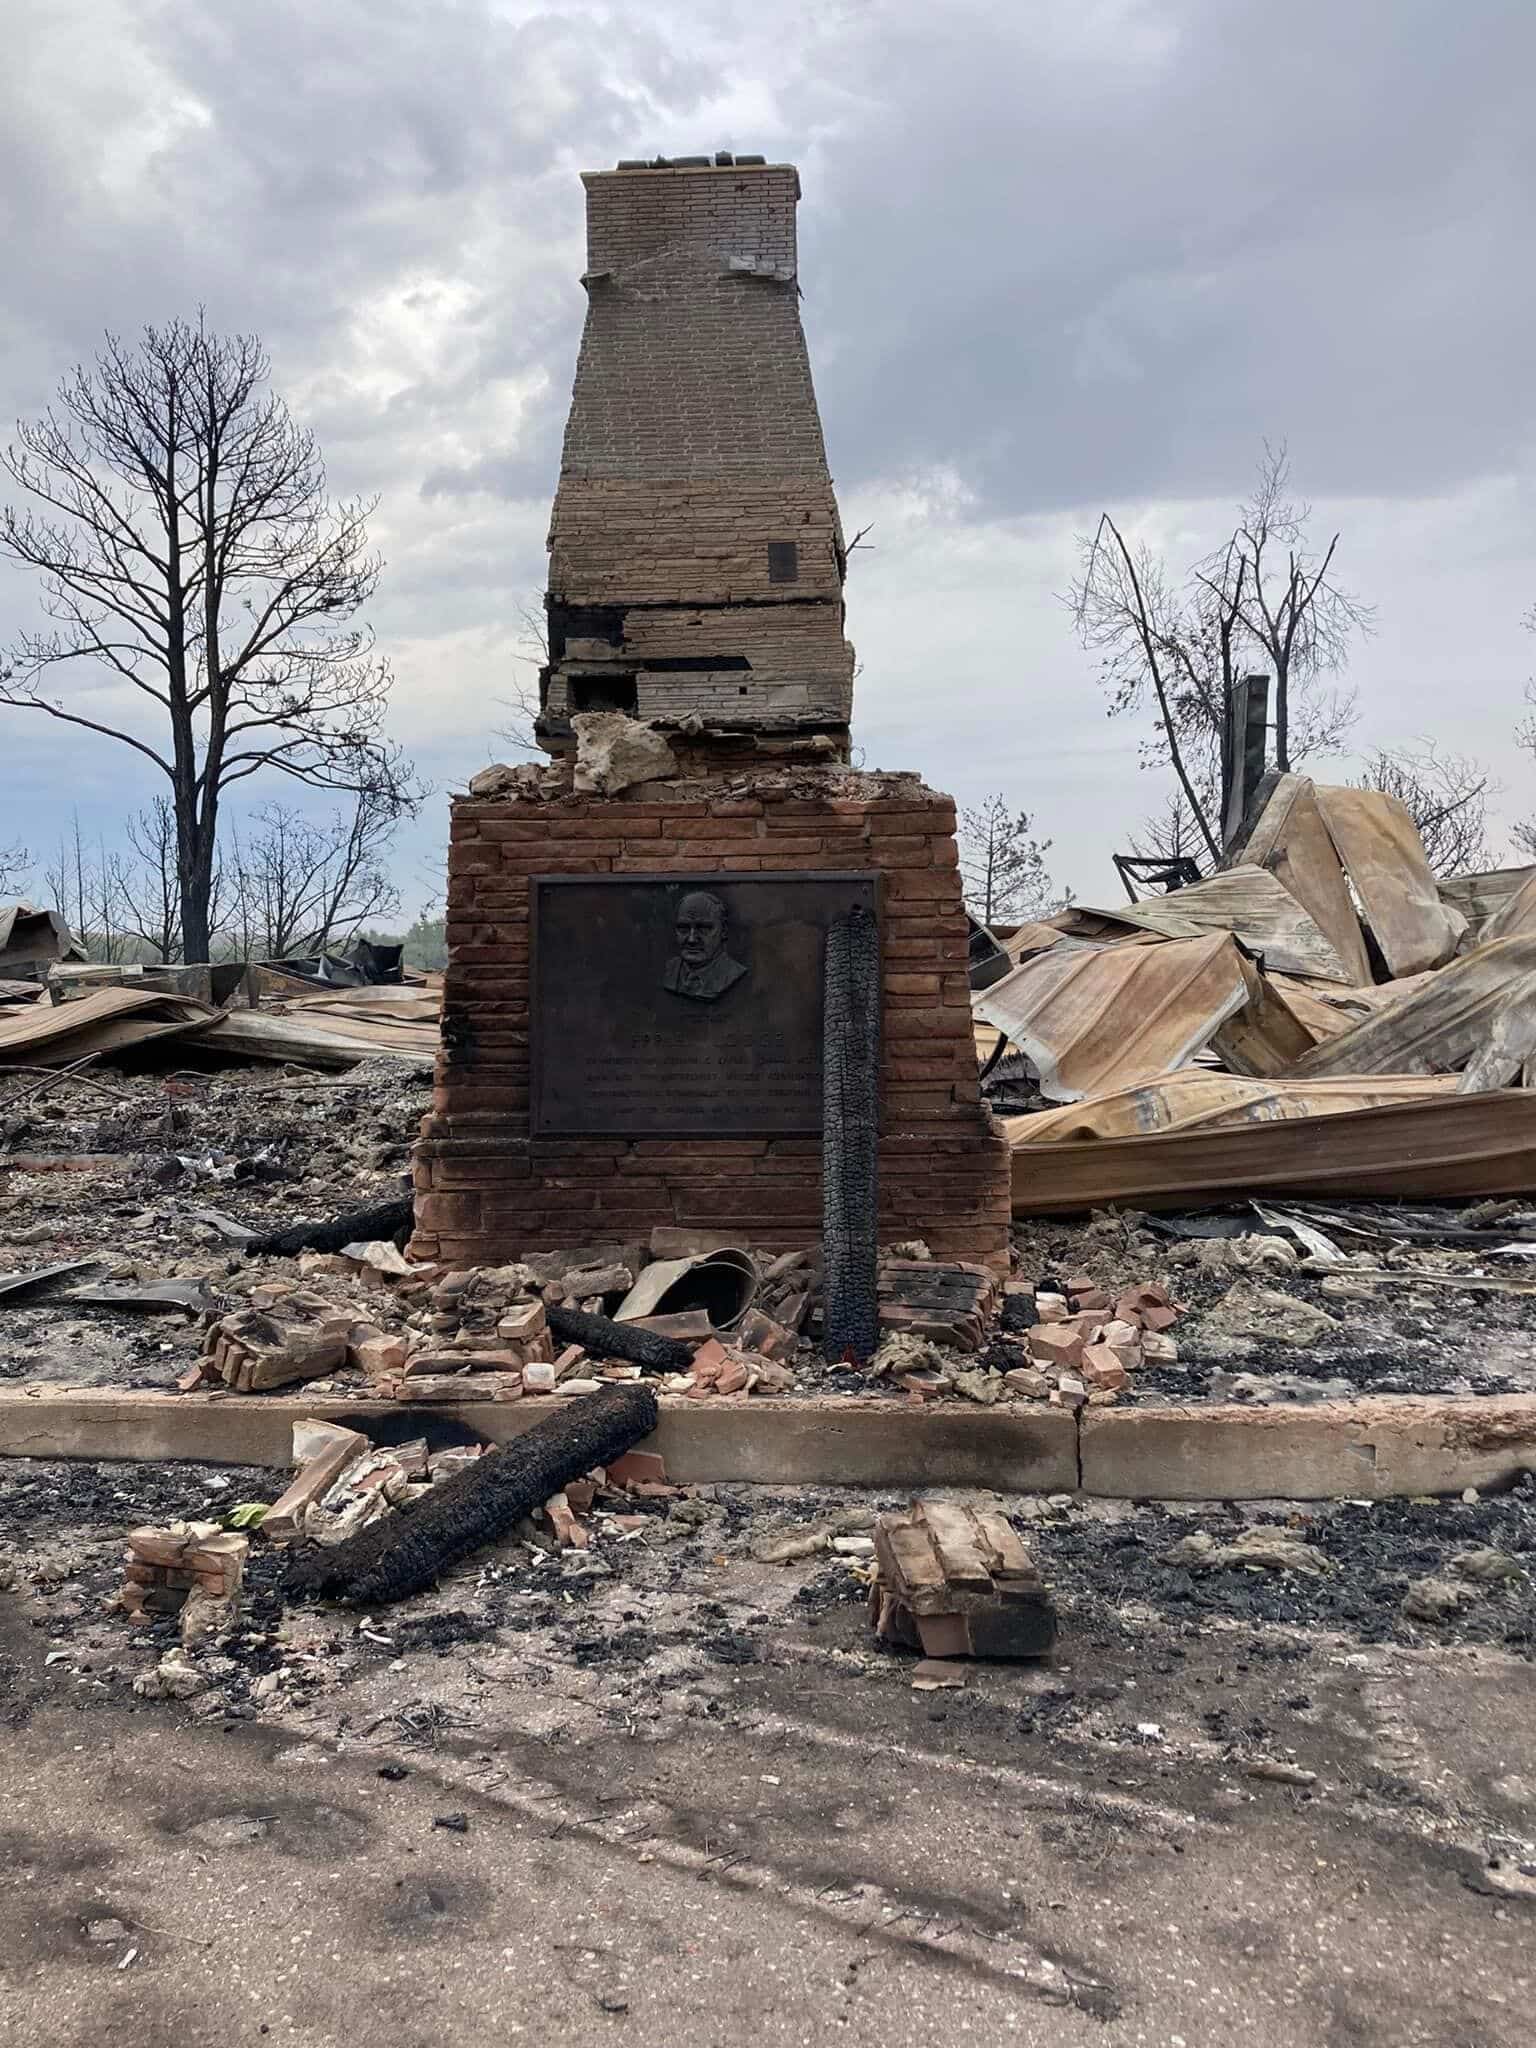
pixel 1086 1342
pixel 287 1333
pixel 193 1569
pixel 484 1332
pixel 344 1482
pixel 948 1303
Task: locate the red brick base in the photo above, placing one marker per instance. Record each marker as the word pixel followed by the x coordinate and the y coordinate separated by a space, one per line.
pixel 486 1189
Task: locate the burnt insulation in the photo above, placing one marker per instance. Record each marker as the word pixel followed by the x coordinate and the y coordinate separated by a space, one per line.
pixel 407 1551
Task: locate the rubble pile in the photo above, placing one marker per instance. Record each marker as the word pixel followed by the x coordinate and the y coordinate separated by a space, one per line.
pixel 1086 1343
pixel 1071 1342
pixel 1317 1015
pixel 483 1321
pixel 563 1323
pixel 480 1503
pixel 288 1333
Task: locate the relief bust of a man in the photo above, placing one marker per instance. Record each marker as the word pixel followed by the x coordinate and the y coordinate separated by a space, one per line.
pixel 701 968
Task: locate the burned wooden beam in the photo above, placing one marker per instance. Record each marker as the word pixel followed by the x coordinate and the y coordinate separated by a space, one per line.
pixel 357 1226
pixel 407 1551
pixel 850 1151
pixel 601 1337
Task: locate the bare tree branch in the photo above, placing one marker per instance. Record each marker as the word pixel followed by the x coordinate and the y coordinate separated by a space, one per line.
pixel 179 524
pixel 1003 865
pixel 1299 620
pixel 15 865
pixel 1122 606
pixel 1259 602
pixel 1446 795
pixel 302 885
pixel 532 652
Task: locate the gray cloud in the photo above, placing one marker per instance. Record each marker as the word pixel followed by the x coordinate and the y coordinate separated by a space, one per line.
pixel 1055 256
pixel 1102 265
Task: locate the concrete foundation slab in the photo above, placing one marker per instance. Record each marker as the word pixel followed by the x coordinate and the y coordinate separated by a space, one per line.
pixel 1371 1449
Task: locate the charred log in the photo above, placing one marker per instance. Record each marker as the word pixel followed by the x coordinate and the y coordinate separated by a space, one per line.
pixel 358 1226
pixel 407 1551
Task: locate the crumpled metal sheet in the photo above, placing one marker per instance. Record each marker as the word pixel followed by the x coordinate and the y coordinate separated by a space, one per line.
pixel 1436 1147
pixel 1438 1025
pixel 1206 1100
pixel 1286 834
pixel 1517 913
pixel 1090 1018
pixel 1253 905
pixel 1380 847
pixel 56 1034
pixel 1481 897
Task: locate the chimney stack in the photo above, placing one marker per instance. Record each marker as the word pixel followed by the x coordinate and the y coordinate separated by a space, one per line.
pixel 696 557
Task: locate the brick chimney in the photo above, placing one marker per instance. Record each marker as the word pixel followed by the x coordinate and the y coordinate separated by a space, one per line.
pixel 696 557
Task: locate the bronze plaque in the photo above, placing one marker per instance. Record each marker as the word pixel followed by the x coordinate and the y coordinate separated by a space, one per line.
pixel 670 1005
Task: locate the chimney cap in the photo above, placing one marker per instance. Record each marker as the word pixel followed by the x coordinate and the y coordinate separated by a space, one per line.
pixel 722 160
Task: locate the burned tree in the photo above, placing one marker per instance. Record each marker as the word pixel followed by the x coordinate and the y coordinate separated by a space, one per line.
pixel 144 884
pixel 14 863
pixel 1263 602
pixel 1151 639
pixel 1293 616
pixel 203 589
pixel 1003 865
pixel 301 885
pixel 80 882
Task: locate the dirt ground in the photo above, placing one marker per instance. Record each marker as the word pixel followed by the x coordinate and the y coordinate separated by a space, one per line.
pixel 660 1791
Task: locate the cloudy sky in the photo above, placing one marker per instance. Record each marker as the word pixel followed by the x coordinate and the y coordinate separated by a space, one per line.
pixel 1057 256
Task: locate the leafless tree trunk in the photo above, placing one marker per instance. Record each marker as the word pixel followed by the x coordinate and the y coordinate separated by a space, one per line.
pixel 203 589
pixel 1124 608
pixel 1260 602
pixel 146 886
pixel 64 881
pixel 1290 608
pixel 82 886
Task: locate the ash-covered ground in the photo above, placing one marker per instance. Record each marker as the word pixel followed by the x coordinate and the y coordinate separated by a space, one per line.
pixel 143 1174
pixel 641 1789
pixel 260 1150
pixel 624 1630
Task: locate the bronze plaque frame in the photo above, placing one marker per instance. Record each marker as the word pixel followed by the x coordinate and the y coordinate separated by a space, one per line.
pixel 651 1016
